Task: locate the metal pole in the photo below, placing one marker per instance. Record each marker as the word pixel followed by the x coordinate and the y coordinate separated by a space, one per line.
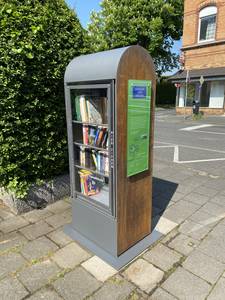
pixel 186 94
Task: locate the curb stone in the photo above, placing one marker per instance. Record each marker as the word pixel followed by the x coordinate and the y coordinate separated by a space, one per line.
pixel 38 196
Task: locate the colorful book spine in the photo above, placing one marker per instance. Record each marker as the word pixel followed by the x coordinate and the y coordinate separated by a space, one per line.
pixel 77 113
pixel 82 156
pixel 92 134
pixel 83 109
pixel 100 136
pixel 98 162
pixel 94 159
pixel 85 134
pixel 105 138
pixel 107 142
pixel 96 136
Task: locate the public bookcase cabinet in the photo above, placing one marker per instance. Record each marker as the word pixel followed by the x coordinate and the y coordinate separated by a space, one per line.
pixel 110 107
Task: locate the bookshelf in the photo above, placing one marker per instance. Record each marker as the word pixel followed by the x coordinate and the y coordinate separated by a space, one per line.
pixel 90 124
pixel 109 100
pixel 90 146
pixel 89 109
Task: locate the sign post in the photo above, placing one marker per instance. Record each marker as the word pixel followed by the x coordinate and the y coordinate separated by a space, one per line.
pixel 186 94
pixel 202 80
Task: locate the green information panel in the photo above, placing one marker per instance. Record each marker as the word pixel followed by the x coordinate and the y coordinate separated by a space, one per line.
pixel 138 127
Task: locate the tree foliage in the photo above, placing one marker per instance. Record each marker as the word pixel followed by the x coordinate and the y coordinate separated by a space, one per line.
pixel 37 41
pixel 152 24
pixel 166 93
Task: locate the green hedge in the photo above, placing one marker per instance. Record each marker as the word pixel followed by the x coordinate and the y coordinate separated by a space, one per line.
pixel 166 93
pixel 37 40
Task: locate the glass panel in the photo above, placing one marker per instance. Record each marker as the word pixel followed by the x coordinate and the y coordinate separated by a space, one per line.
pixel 191 94
pixel 205 94
pixel 208 28
pixel 91 144
pixel 181 96
pixel 217 94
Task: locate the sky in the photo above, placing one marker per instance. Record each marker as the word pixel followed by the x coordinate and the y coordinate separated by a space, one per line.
pixel 84 8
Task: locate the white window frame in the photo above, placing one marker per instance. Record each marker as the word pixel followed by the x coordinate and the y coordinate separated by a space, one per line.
pixel 206 12
pixel 215 100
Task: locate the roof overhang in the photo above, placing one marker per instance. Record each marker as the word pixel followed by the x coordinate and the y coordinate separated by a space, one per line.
pixel 195 75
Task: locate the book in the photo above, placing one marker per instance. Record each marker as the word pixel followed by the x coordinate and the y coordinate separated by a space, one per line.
pixel 94 159
pixel 83 109
pixel 82 156
pixel 107 143
pixel 90 160
pixel 92 133
pixel 104 140
pixel 85 134
pixel 96 136
pixel 76 109
pixel 92 110
pixel 102 165
pixel 93 187
pixel 88 184
pixel 82 185
pixel 98 162
pixel 104 110
pixel 100 136
pixel 95 111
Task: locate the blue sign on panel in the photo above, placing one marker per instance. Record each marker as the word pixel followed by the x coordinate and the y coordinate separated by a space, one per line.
pixel 139 92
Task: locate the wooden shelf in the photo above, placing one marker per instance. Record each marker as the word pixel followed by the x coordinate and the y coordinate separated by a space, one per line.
pixel 90 124
pixel 91 147
pixel 91 170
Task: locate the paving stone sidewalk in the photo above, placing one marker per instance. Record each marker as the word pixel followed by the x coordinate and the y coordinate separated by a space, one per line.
pixel 38 261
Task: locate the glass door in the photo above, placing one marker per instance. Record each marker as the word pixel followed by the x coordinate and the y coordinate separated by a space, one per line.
pixel 92 130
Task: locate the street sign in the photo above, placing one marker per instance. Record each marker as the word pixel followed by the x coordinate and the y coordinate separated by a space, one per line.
pixel 202 80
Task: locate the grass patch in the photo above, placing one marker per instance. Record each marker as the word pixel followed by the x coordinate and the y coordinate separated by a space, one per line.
pixel 198 116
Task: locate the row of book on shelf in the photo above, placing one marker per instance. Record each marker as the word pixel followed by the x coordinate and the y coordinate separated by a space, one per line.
pixel 94 160
pixel 90 109
pixel 95 136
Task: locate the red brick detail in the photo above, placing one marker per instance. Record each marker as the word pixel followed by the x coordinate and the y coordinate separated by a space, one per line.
pixel 204 110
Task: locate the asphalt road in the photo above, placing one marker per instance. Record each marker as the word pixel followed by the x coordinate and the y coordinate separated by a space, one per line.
pixel 198 145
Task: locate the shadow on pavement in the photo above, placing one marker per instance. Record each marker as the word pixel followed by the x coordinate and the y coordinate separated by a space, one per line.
pixel 163 192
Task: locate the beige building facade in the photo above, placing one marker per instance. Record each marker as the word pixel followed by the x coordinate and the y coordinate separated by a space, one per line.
pixel 203 57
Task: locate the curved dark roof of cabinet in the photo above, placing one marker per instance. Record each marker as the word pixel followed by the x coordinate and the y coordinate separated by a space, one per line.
pixel 98 66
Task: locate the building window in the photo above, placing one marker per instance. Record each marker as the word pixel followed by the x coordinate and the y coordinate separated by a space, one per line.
pixel 207 24
pixel 210 95
pixel 192 91
pixel 217 94
pixel 181 96
pixel 205 94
